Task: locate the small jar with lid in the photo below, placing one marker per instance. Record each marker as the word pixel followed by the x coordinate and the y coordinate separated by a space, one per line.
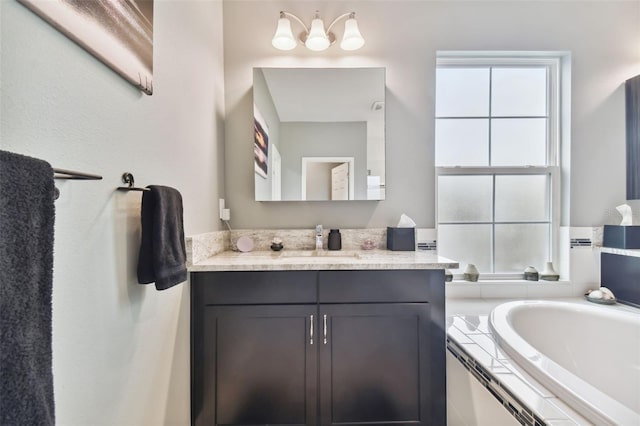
pixel 335 240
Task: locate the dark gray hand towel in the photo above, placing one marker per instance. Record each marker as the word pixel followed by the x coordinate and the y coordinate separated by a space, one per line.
pixel 162 251
pixel 26 277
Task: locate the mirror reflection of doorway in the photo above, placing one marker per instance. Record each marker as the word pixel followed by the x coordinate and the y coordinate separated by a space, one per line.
pixel 327 178
pixel 340 182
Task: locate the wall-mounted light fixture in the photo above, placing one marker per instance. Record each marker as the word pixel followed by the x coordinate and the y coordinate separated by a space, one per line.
pixel 317 38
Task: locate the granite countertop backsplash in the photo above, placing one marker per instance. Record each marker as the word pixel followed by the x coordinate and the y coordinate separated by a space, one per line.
pixel 216 251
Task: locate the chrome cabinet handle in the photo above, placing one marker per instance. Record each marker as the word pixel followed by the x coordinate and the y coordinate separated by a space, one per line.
pixel 311 331
pixel 324 319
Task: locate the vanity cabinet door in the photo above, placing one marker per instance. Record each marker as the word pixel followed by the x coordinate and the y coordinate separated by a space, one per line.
pixel 375 365
pixel 258 366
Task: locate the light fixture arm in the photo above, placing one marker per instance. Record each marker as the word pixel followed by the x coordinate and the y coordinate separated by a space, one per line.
pixel 283 14
pixel 344 15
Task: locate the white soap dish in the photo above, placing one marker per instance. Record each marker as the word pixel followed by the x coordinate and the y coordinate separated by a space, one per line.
pixel 603 296
pixel 600 301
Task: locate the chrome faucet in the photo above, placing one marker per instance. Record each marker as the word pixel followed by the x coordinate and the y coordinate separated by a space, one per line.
pixel 318 237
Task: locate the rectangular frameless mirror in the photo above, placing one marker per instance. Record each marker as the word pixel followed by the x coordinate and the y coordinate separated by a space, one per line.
pixel 319 134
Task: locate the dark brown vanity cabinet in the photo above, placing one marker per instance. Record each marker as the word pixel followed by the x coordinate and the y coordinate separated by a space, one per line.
pixel 318 348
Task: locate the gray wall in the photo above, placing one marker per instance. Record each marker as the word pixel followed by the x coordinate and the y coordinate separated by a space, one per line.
pixel 403 36
pixel 120 349
pixel 321 140
pixel 319 188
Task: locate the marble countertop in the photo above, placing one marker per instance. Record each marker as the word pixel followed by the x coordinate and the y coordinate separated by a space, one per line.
pixel 622 252
pixel 290 260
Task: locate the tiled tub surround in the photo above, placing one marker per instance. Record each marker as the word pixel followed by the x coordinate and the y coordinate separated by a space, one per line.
pixel 470 339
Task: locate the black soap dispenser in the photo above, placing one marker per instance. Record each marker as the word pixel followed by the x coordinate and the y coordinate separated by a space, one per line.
pixel 335 240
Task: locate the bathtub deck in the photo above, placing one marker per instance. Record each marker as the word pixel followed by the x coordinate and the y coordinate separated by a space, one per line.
pixel 470 341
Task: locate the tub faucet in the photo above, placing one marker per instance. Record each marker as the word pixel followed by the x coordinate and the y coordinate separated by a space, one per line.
pixel 318 237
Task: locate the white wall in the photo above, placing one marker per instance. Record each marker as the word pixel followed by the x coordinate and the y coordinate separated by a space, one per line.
pixel 403 36
pixel 319 180
pixel 121 350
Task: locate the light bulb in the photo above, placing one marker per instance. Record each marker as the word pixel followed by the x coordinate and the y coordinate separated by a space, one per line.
pixel 283 38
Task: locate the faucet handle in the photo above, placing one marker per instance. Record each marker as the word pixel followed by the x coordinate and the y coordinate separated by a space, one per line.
pixel 318 237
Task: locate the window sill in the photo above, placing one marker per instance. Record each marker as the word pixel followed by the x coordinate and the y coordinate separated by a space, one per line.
pixel 510 289
pixel 507 282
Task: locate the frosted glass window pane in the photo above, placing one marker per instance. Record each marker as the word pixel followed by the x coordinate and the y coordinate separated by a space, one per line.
pixel 462 142
pixel 522 198
pixel 465 198
pixel 466 244
pixel 519 92
pixel 519 142
pixel 519 246
pixel 462 92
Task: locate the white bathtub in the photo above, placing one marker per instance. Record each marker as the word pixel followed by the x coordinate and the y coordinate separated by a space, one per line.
pixel 587 354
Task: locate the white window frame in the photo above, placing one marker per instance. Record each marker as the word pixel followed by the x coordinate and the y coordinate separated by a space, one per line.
pixel 517 60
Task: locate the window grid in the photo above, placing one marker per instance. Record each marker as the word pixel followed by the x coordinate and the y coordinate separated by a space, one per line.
pixel 490 117
pixel 493 222
pixel 489 146
pixel 548 168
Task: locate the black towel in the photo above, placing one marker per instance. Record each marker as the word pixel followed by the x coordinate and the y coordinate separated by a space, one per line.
pixel 26 276
pixel 162 251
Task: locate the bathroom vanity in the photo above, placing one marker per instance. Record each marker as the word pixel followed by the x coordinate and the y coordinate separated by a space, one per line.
pixel 286 339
